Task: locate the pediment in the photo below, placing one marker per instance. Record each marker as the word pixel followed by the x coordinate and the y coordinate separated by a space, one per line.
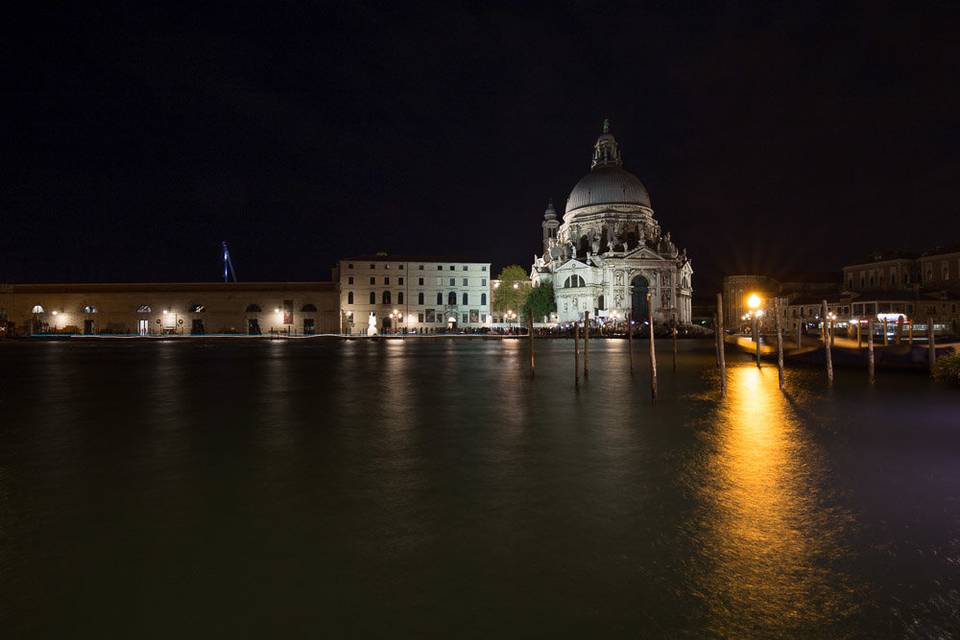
pixel 646 253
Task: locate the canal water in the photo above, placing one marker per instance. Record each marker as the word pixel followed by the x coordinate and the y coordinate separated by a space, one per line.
pixel 430 488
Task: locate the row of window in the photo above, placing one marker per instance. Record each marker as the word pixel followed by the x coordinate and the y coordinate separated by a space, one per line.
pixel 451 267
pixel 429 316
pixel 192 308
pixel 439 281
pixel 387 298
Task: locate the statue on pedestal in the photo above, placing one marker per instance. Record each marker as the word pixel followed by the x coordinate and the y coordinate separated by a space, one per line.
pixel 372 324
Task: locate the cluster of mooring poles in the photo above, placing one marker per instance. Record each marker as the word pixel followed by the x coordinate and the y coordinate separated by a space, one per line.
pixel 630 330
pixel 827 336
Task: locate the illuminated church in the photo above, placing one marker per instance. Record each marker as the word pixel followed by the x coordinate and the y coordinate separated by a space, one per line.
pixel 608 253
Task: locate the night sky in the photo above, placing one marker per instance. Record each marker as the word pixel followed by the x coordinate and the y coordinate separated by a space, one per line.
pixel 770 137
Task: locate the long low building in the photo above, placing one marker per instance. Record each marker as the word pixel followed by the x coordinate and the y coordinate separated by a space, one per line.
pixel 154 309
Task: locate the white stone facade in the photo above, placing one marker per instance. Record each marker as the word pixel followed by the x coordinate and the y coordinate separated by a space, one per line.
pixel 411 294
pixel 609 254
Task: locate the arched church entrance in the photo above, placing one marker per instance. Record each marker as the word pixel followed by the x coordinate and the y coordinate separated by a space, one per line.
pixel 639 288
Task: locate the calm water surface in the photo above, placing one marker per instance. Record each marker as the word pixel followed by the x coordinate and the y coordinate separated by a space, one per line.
pixel 399 489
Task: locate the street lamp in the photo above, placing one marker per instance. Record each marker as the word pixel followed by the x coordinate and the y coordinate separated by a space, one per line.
pixel 754 301
pixel 510 316
pixel 394 320
pixel 831 316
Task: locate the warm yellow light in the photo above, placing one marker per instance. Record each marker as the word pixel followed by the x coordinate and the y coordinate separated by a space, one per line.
pixel 754 301
pixel 516 285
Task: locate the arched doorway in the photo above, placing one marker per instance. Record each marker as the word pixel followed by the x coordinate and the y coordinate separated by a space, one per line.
pixel 640 286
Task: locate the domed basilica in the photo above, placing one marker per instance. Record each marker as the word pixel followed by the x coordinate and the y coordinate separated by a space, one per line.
pixel 609 253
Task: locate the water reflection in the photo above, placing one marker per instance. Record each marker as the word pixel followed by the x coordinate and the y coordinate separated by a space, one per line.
pixel 767 539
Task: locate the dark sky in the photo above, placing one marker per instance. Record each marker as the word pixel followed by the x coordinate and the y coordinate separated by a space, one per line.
pixel 770 136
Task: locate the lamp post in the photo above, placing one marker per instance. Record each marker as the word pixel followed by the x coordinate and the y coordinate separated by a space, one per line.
pixel 831 317
pixel 754 302
pixel 394 320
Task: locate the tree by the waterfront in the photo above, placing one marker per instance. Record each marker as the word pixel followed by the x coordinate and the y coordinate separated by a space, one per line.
pixel 512 292
pixel 540 302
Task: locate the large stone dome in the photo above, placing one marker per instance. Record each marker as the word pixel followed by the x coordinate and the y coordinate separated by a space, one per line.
pixel 609 184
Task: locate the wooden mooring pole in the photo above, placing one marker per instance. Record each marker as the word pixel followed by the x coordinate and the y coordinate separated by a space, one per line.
pixel 630 340
pixel 931 345
pixel 674 343
pixel 533 365
pixel 871 363
pixel 756 336
pixel 859 335
pixel 586 345
pixel 886 338
pixel 910 333
pixel 776 310
pixel 721 361
pixel 653 350
pixel 826 342
pixel 576 353
pixel 799 334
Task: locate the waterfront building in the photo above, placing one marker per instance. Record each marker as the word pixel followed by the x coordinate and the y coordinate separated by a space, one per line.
pixel 609 255
pixel 154 309
pixel 886 286
pixel 413 294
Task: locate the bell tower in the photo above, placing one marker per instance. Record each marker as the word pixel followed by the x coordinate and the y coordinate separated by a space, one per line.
pixel 550 225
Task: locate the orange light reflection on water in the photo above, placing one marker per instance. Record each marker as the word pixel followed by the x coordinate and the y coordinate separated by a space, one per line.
pixel 766 537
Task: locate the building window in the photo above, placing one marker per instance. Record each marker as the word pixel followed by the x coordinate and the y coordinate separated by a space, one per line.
pixel 350 280
pixel 453 282
pixel 349 297
pixel 452 298
pixel 373 298
pixel 400 297
pixel 466 318
pixel 483 268
pixel 452 267
pixel 251 308
pixel 400 266
pixel 89 308
pixel 483 298
pixel 420 299
pixel 945 270
pixel 483 317
pixel 483 282
pixel 387 299
pixel 439 267
pixel 439 298
pixel 350 266
pixel 574 281
pixel 466 298
pixel 465 282
pixel 386 266
pixel 400 280
pixel 373 280
pixel 465 267
pixel 386 280
pixel 420 281
pixel 420 317
pixel 421 267
pixel 309 308
pixel 373 266
pixel 144 308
